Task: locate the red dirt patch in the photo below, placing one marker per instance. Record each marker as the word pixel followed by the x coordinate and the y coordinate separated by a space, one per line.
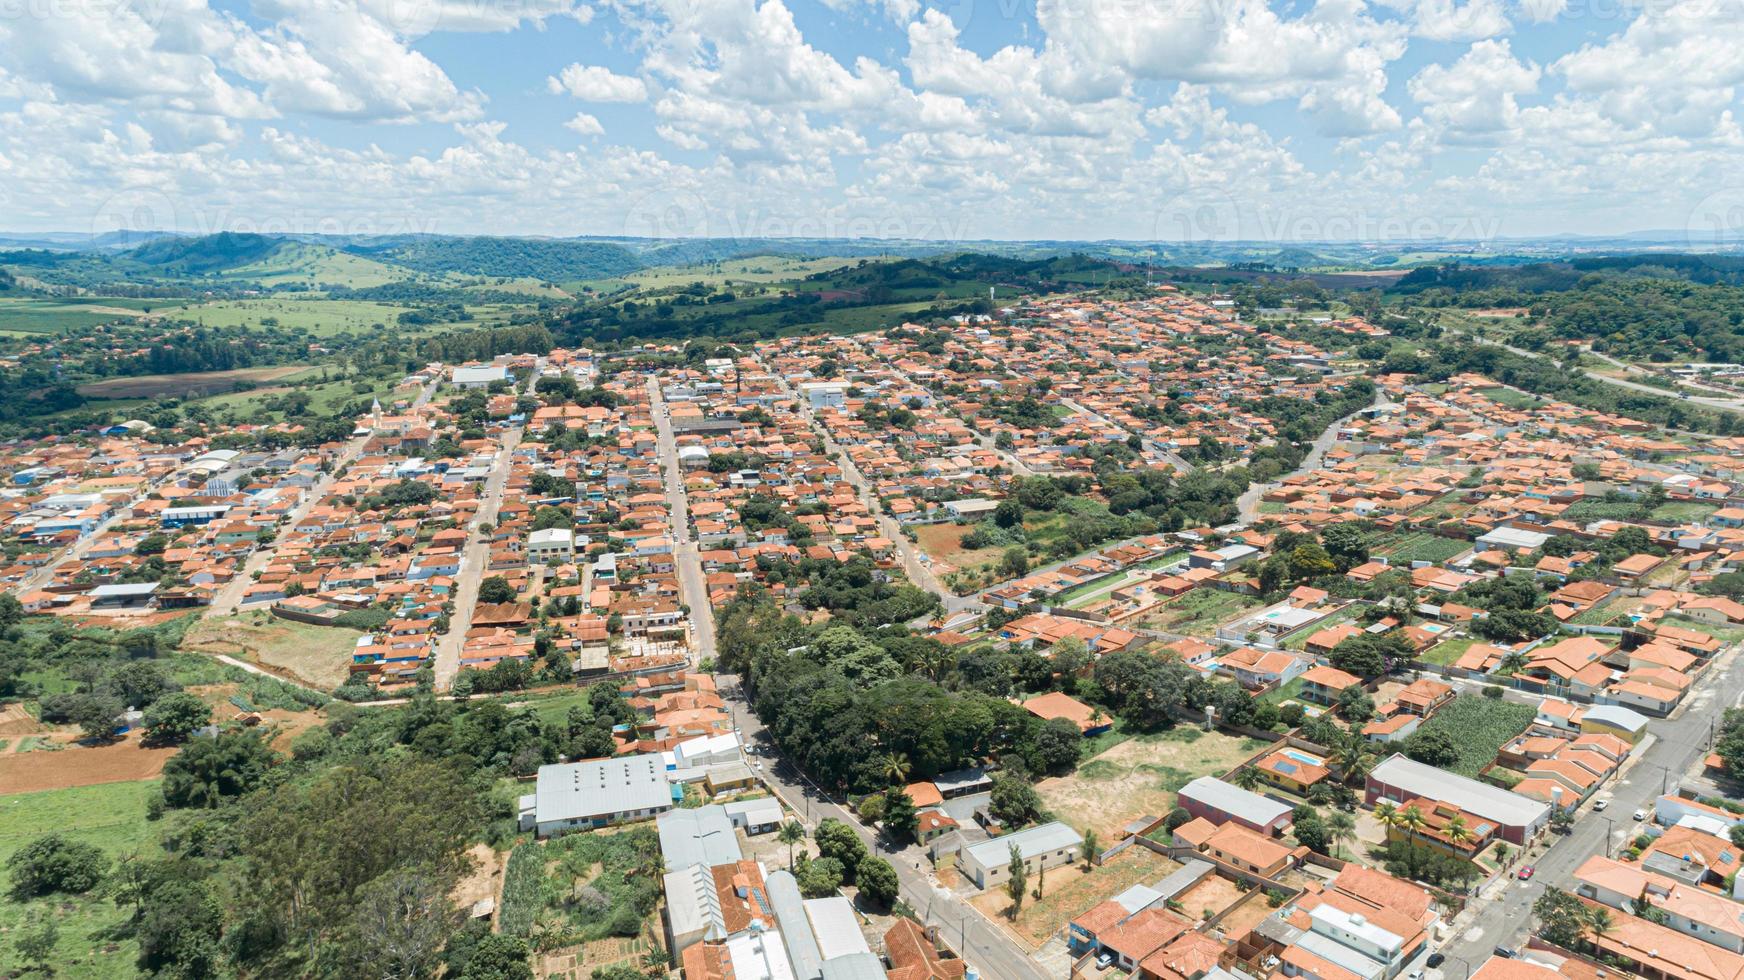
pixel 77 765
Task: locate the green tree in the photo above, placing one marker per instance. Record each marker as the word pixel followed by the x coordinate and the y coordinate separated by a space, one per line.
pixel 96 715
pixel 1087 848
pixel 496 589
pixel 900 819
pixel 877 882
pixel 820 877
pixel 52 863
pixel 792 832
pixel 1016 881
pixel 174 717
pixel 837 840
pixel 498 957
pixel 208 771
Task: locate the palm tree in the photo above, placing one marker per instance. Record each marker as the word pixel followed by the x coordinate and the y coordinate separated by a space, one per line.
pixel 792 832
pixel 1598 922
pixel 896 768
pixel 1343 828
pixel 1385 813
pixel 1456 832
pixel 1513 663
pixel 1247 777
pixel 1411 819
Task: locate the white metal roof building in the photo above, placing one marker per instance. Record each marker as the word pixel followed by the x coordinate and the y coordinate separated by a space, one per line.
pixel 1399 779
pixel 700 836
pixel 1221 802
pixel 597 793
pixel 1046 846
pixel 835 926
pixel 479 377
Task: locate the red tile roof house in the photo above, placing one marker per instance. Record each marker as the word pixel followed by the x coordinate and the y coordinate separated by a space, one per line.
pixel 1324 684
pixel 1056 704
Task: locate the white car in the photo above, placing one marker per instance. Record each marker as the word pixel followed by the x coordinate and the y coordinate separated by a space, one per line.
pixel 1599 805
pixel 1640 814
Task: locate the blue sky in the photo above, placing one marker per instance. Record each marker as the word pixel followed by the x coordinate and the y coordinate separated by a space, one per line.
pixel 962 119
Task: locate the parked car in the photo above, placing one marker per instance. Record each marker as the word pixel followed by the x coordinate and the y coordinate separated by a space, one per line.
pixel 1599 805
pixel 1640 814
pixel 1506 952
pixel 1526 872
pixel 1434 960
pixel 1104 960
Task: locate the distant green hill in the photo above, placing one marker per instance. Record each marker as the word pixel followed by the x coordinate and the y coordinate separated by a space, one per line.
pixel 204 255
pixel 551 260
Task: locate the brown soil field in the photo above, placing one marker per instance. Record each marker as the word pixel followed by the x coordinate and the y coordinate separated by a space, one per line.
pixel 14 720
pixel 192 383
pixel 77 765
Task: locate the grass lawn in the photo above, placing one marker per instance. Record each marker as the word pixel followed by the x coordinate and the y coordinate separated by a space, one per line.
pixel 1682 511
pixel 317 655
pixel 1290 690
pixel 1510 397
pixel 1478 727
pixel 111 816
pixel 1448 652
pixel 1725 634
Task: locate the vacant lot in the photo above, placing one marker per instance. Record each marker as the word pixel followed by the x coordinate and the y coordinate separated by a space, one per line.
pixel 322 317
pixel 944 542
pixel 190 385
pixel 1199 611
pixel 1139 778
pixel 112 817
pixel 1068 891
pixel 50 764
pixel 319 656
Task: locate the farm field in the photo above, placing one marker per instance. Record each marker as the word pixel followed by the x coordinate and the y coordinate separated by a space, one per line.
pixel 46 315
pixel 42 763
pixel 758 269
pixel 112 817
pixel 319 656
pixel 190 384
pixel 1478 727
pixel 1069 890
pixel 1421 546
pixel 322 317
pixel 1138 777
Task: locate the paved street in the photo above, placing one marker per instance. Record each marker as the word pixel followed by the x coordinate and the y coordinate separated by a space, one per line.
pixel 1248 504
pixel 919 572
pixel 982 944
pixel 1503 914
pixel 476 556
pixel 1725 402
pixel 691 581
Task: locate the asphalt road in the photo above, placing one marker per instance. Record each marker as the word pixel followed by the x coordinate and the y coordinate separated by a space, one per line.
pixel 919 572
pixel 981 943
pixel 1248 504
pixel 691 581
pixel 476 556
pixel 1504 910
